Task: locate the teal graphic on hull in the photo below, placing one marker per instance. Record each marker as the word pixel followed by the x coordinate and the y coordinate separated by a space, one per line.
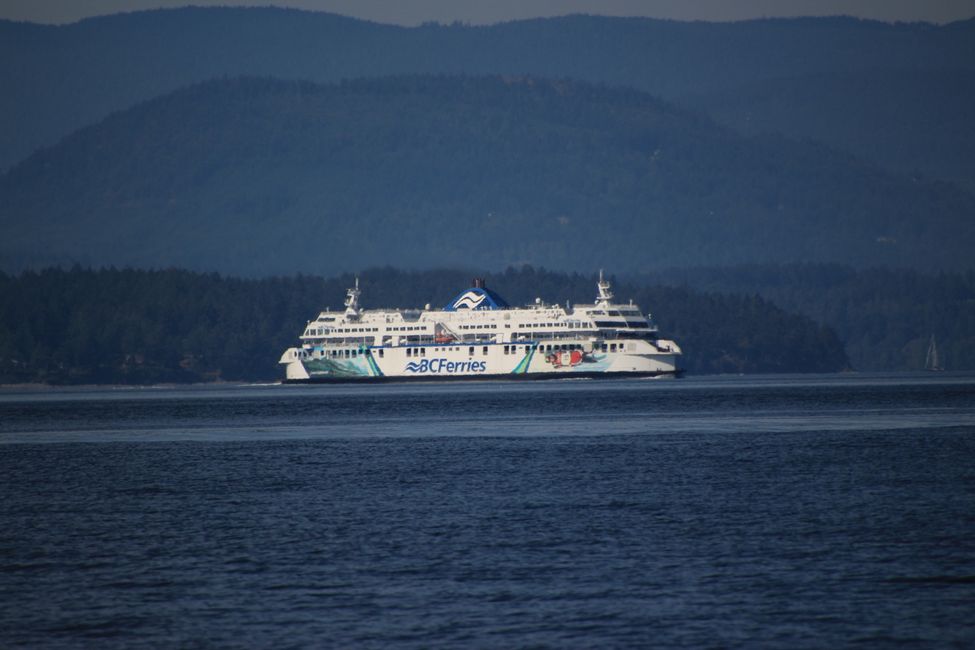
pixel 334 368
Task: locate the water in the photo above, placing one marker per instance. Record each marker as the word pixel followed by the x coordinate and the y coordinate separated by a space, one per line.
pixel 702 512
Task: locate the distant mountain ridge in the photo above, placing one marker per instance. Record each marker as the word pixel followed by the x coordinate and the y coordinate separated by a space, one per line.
pixel 912 121
pixel 261 176
pixel 57 79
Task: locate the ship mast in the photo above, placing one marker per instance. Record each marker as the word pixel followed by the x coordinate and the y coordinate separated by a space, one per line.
pixel 352 301
pixel 605 295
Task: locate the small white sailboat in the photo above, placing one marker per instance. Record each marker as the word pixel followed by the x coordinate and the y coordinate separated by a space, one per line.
pixel 933 360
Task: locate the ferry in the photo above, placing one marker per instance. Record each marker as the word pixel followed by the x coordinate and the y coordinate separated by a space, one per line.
pixel 477 335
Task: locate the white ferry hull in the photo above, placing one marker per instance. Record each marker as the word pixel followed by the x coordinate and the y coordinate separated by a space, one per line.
pixel 494 361
pixel 478 336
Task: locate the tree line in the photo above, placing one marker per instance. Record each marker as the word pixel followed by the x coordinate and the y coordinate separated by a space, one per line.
pixel 81 325
pixel 885 317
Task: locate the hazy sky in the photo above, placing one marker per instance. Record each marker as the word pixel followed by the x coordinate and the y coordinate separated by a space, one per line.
pixel 411 12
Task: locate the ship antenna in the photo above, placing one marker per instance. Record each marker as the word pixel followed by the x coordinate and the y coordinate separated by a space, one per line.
pixel 605 295
pixel 352 301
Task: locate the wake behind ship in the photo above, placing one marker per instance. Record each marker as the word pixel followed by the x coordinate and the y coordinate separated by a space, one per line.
pixel 478 335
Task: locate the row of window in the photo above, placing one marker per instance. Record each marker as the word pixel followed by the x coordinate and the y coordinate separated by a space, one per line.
pixel 559 348
pixel 347 353
pixel 632 311
pixel 422 351
pixel 319 331
pixel 411 328
pixel 508 349
pixel 623 324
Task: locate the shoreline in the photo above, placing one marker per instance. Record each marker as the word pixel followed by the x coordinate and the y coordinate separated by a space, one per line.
pixel 29 388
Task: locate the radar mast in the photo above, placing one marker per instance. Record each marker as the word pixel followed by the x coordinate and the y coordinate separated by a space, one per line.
pixel 605 295
pixel 352 301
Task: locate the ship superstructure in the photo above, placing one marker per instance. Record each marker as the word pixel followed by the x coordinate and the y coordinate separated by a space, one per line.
pixel 477 334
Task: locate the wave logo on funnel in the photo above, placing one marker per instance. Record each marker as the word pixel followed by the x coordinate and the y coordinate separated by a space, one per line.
pixel 470 300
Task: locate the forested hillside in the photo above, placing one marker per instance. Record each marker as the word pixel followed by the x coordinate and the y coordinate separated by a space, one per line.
pixel 917 122
pixel 57 79
pixel 257 176
pixel 111 326
pixel 885 317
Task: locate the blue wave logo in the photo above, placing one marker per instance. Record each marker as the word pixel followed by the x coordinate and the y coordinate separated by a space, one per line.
pixel 470 300
pixel 413 366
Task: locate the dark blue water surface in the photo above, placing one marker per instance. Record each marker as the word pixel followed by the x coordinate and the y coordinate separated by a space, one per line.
pixel 728 512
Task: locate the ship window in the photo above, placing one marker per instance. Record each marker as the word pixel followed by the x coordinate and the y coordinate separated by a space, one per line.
pixel 612 347
pixel 470 351
pixel 423 352
pixel 380 353
pixel 603 347
pixel 528 348
pixel 506 349
pixel 484 350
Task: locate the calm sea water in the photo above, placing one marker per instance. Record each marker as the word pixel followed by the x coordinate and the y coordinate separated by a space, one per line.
pixel 729 512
